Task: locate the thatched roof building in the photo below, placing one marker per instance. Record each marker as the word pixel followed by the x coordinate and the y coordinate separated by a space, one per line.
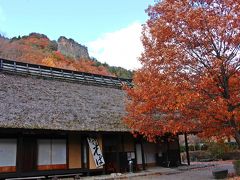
pixel 66 123
pixel 35 102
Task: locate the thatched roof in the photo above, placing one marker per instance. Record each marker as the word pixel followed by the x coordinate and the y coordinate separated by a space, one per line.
pixel 32 102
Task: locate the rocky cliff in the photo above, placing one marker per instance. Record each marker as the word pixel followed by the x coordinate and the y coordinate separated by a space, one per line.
pixel 71 48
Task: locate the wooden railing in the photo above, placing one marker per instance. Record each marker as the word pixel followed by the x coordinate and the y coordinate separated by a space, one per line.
pixel 64 74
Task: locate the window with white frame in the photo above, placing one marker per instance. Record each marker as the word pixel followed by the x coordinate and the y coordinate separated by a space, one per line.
pixel 51 152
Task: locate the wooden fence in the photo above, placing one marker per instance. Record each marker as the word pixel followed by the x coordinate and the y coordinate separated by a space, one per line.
pixel 63 74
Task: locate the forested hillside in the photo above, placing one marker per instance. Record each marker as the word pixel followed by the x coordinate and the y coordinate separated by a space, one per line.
pixel 64 53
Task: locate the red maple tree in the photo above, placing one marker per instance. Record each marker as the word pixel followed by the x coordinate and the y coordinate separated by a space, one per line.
pixel 190 78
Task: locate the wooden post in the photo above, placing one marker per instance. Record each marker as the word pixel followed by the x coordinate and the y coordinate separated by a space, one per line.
pixel 143 158
pixel 27 68
pixel 1 64
pixel 40 71
pixel 14 65
pixel 187 149
pixel 118 152
pixel 179 150
pixel 135 151
pixel 167 161
pixel 19 153
pixel 122 142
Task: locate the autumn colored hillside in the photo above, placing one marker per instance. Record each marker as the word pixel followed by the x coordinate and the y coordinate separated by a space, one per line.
pixel 39 49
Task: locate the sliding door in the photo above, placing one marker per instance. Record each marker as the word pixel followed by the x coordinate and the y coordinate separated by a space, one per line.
pixel 51 154
pixel 8 154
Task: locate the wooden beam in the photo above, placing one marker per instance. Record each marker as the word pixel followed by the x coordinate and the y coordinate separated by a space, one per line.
pixel 187 149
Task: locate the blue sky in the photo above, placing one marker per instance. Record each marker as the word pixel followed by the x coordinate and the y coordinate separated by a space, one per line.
pixel 98 24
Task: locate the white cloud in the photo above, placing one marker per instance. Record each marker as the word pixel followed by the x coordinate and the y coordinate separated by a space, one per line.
pixel 120 48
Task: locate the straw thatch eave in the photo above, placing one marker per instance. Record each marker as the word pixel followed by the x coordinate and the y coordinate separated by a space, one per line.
pixel 35 103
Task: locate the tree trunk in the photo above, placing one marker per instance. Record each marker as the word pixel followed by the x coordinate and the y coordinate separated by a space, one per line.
pixel 237 138
pixel 237 132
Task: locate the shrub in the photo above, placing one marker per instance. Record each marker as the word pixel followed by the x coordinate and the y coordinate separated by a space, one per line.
pixel 199 155
pixel 217 150
pixel 233 145
pixel 236 165
pixel 52 46
pixel 233 155
pixel 182 149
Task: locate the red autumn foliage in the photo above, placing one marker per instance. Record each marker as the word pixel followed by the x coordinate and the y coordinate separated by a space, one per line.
pixel 36 49
pixel 190 79
pixel 41 43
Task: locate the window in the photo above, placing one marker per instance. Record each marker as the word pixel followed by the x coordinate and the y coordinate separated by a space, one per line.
pixel 51 154
pixel 8 153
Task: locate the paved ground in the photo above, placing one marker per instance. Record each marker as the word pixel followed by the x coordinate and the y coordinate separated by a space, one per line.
pixel 193 174
pixel 197 171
